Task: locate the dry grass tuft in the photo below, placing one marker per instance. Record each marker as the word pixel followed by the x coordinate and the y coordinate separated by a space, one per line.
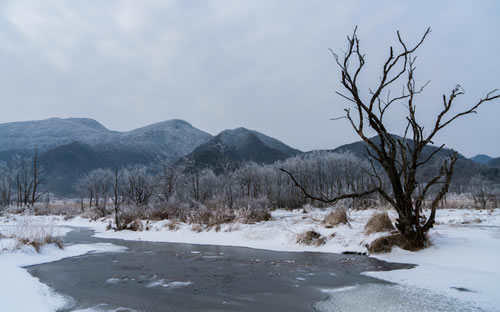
pixel 336 217
pixel 379 222
pixel 28 233
pixel 232 227
pixel 38 243
pixel 473 221
pixel 252 216
pixel 196 228
pixel 59 208
pixel 135 225
pixel 311 238
pixel 384 244
pixel 172 225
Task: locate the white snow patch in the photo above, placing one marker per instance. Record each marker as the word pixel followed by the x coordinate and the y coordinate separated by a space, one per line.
pixel 165 284
pixel 105 308
pixel 338 289
pixel 22 292
pixel 113 280
pixel 464 257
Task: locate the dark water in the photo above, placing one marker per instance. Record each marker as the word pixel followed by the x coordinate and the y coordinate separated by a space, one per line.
pixel 183 277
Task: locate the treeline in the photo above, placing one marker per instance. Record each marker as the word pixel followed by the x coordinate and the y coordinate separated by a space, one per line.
pixel 248 192
pixel 324 173
pixel 164 191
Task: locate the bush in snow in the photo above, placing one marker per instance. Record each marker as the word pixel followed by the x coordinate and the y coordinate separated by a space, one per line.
pixel 37 243
pixel 311 238
pixel 379 222
pixel 253 210
pixel 27 233
pixel 384 244
pixel 135 225
pixel 172 225
pixel 336 217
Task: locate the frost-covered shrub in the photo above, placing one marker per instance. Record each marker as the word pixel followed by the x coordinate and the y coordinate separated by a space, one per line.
pixel 27 232
pixel 177 210
pixel 199 214
pixel 211 215
pixel 158 212
pixel 253 210
pixel 129 214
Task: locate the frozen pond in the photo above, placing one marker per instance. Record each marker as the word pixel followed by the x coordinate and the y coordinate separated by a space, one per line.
pixel 183 277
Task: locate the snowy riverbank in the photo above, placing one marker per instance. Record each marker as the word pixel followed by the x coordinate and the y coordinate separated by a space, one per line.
pixel 19 290
pixel 461 263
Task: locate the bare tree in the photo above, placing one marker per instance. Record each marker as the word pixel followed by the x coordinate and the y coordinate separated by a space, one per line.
pixel 139 187
pixel 398 156
pixel 27 180
pixel 117 195
pixel 6 185
pixel 482 191
pixel 167 181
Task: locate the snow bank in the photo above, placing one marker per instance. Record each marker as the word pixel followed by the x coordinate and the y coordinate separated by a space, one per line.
pixel 462 262
pixel 279 234
pixel 22 292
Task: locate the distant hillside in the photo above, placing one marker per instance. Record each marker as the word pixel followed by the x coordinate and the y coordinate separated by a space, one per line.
pixel 464 168
pixel 494 162
pixel 170 139
pixel 65 164
pixel 359 148
pixel 481 159
pixel 231 148
pixel 49 133
pixel 69 148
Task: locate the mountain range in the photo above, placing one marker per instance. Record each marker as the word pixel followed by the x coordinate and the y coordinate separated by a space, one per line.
pixel 70 147
pixel 170 139
pixel 232 147
pixel 464 169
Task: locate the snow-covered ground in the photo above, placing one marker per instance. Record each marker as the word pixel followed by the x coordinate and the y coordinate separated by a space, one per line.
pixel 463 262
pixel 19 291
pixel 464 254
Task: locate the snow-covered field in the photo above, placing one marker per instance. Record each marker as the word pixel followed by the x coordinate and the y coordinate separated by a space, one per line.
pixel 462 263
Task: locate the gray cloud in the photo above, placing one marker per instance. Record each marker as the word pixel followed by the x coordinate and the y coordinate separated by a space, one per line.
pixel 221 64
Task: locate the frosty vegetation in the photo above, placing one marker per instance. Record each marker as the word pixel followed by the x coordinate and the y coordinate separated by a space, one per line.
pixel 202 197
pixel 246 195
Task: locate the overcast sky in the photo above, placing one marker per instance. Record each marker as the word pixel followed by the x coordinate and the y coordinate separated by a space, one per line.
pixel 263 65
